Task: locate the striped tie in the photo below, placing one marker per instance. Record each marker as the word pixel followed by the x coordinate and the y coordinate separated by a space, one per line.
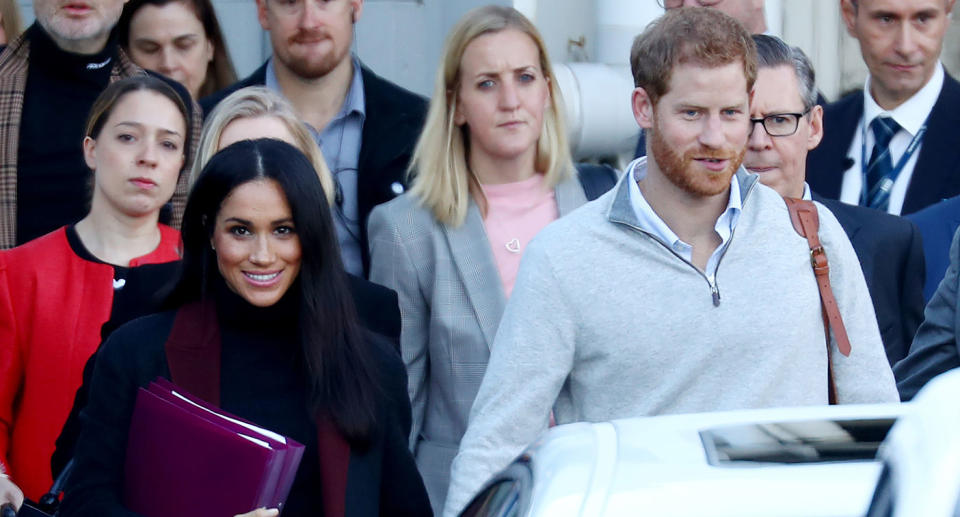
pixel 881 164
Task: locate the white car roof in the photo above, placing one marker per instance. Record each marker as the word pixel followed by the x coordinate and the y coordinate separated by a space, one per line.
pixel 658 466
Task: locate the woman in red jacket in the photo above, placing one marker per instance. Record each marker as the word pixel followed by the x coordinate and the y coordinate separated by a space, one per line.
pixel 61 293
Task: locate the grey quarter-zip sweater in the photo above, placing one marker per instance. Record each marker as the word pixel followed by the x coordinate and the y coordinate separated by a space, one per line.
pixel 606 321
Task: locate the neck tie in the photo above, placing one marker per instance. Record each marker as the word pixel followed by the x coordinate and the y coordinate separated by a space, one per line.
pixel 881 164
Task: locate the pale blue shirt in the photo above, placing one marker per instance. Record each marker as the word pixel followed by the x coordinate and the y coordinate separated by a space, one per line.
pixel 652 223
pixel 340 142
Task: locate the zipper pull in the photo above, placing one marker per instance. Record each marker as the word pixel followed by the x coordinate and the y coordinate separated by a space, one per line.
pixel 716 294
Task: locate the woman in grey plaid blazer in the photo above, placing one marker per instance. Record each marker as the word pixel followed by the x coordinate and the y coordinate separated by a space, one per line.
pixel 491 168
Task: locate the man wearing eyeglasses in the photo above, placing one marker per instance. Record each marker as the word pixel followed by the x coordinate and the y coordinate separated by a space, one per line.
pixel 685 288
pixel 786 124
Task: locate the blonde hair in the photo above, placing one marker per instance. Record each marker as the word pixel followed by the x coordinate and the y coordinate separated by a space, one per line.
pixel 12 22
pixel 441 178
pixel 258 101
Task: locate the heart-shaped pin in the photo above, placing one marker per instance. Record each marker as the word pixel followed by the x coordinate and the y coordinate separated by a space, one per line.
pixel 514 245
pixel 118 283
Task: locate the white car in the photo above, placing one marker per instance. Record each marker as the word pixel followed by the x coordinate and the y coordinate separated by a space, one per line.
pixel 921 457
pixel 810 461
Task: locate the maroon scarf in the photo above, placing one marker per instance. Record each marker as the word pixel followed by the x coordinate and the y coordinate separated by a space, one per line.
pixel 193 355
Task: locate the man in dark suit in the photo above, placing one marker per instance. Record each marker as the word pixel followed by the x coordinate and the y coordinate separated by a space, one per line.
pixel 366 126
pixel 893 146
pixel 937 224
pixel 787 123
pixel 935 348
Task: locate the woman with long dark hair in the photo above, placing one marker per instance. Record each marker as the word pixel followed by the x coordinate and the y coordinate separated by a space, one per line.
pixel 62 292
pixel 263 282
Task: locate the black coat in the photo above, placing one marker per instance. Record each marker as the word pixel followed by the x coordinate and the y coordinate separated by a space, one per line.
pixel 394 118
pixel 936 175
pixel 381 479
pixel 891 256
pixel 937 223
pixel 377 308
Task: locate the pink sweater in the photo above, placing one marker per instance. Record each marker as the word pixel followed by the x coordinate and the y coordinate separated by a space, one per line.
pixel 515 213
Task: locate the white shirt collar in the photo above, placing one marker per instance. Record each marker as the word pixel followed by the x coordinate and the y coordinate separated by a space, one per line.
pixel 911 114
pixel 807 195
pixel 652 223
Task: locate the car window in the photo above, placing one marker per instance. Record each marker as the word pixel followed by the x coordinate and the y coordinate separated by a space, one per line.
pixel 501 499
pixel 808 441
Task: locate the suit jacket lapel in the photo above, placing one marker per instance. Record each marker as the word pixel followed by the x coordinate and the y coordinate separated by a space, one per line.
pixel 382 121
pixel 569 195
pixel 826 164
pixel 935 176
pixel 851 225
pixel 470 251
pixel 390 132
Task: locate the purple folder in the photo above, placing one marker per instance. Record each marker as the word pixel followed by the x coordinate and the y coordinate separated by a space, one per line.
pixel 188 458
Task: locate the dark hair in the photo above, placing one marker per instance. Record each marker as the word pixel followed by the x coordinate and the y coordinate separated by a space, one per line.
pixel 220 72
pixel 773 52
pixel 696 35
pixel 108 99
pixel 341 372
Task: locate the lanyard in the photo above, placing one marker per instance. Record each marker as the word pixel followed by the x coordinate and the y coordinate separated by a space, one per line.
pixel 883 188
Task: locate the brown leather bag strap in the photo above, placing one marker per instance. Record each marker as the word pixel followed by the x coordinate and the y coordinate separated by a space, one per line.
pixel 806 221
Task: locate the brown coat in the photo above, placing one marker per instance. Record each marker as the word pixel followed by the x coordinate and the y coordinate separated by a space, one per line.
pixel 14 61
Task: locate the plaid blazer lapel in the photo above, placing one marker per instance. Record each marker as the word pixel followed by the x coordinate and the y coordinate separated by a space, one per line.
pixel 14 62
pixel 470 251
pixel 13 81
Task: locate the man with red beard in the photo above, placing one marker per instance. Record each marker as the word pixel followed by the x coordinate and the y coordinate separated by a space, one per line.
pixel 365 125
pixel 683 289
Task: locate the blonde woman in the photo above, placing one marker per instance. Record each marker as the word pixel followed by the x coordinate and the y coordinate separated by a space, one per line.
pixel 491 169
pixel 257 112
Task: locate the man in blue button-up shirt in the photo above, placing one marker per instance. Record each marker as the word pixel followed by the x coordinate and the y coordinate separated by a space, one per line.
pixel 365 125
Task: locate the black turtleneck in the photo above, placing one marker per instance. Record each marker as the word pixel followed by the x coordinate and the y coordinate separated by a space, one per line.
pixel 263 379
pixel 52 178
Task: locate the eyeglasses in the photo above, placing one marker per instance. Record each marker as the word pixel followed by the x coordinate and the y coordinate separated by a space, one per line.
pixel 673 4
pixel 779 124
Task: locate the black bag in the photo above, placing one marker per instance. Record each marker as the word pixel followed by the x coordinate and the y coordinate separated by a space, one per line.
pixel 49 503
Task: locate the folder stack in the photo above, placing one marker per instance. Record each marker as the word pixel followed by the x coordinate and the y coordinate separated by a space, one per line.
pixel 188 458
